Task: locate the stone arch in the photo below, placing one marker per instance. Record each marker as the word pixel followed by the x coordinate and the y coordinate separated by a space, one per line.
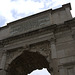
pixel 26 63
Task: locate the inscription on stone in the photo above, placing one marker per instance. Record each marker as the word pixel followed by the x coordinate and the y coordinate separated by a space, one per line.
pixel 30 25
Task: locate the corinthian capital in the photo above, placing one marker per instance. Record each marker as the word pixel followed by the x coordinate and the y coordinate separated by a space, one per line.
pixel 26 47
pixel 52 40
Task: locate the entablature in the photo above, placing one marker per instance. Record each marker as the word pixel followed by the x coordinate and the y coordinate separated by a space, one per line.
pixel 40 32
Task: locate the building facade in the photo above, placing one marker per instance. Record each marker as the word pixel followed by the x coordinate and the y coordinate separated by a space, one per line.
pixel 43 40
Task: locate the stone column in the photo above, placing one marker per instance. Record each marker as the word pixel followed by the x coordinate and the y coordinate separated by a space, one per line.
pixel 54 60
pixel 53 49
pixel 74 68
pixel 2 64
pixel 62 71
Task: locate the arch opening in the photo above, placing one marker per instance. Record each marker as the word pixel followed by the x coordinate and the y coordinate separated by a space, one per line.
pixel 26 63
pixel 43 71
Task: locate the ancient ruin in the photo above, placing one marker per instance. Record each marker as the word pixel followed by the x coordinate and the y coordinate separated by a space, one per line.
pixel 43 40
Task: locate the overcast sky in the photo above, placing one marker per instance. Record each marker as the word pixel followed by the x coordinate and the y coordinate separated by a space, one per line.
pixel 11 10
pixel 40 72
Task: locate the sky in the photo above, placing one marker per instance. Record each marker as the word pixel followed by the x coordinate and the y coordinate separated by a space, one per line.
pixel 40 72
pixel 11 10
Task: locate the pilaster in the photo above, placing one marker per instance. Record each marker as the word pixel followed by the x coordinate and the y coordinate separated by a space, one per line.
pixel 62 71
pixel 54 60
pixel 2 64
pixel 53 48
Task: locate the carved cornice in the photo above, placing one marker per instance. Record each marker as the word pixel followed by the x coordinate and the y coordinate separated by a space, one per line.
pixel 52 40
pixel 52 28
pixel 43 31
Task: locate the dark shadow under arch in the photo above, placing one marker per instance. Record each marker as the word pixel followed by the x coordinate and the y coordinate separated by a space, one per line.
pixel 26 63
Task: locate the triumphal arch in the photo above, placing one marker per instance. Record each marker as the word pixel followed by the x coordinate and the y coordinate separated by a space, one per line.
pixel 42 40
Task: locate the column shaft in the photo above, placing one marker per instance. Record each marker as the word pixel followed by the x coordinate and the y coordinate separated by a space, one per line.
pixel 2 64
pixel 54 60
pixel 53 49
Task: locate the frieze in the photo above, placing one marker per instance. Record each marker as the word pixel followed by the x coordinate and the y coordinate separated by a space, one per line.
pixel 42 47
pixel 52 28
pixel 30 25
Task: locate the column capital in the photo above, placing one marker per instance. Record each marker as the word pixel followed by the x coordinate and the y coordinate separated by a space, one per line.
pixel 26 47
pixel 4 52
pixel 52 40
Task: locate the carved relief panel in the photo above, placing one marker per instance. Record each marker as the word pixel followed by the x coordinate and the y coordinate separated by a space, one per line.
pixel 43 48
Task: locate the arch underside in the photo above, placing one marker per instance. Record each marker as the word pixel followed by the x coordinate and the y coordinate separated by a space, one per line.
pixel 26 63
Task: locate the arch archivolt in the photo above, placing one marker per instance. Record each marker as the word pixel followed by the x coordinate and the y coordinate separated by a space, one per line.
pixel 42 47
pixel 12 55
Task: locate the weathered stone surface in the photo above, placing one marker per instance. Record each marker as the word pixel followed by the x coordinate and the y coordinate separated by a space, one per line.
pixel 43 40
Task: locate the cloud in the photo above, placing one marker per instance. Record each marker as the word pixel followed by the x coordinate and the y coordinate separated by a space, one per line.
pixel 2 20
pixel 16 9
pixel 73 7
pixel 28 6
pixel 5 8
pixel 58 3
pixel 38 72
pixel 17 15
